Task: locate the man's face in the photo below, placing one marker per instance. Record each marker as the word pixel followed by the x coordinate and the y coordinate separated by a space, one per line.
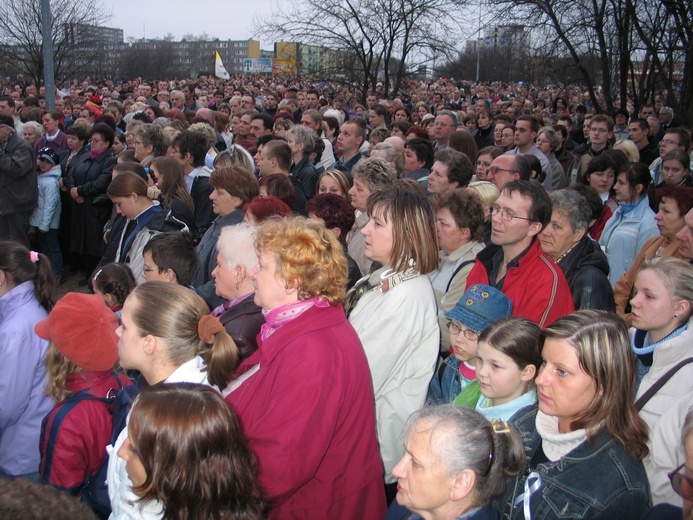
pixel 502 171
pixel 265 165
pixel 302 100
pixel 270 101
pixel 444 126
pixel 146 91
pixel 178 101
pixel 685 237
pixel 665 117
pixel 621 119
pixel 162 85
pixel 669 143
pixel 374 119
pixel 312 100
pixel 524 137
pixel 647 112
pixel 371 101
pixel 309 122
pixel 637 134
pixel 257 128
pixel 599 133
pixel 6 109
pixel 511 232
pixel 348 141
pixel 244 129
pixel 247 103
pixel 479 106
pixel 189 94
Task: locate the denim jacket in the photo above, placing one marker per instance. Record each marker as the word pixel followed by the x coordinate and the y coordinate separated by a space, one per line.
pixel 443 390
pixel 598 480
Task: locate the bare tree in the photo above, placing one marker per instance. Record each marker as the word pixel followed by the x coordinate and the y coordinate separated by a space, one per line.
pixel 76 45
pixel 375 34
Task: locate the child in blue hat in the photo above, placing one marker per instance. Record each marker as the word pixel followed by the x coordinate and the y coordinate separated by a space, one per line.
pixel 479 307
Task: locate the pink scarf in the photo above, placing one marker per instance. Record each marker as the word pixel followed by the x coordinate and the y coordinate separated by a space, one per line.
pixel 277 318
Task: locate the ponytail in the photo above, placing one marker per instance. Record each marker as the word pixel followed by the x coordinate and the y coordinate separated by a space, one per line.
pixel 222 357
pixel 22 265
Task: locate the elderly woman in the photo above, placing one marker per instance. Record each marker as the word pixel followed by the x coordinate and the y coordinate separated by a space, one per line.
pixel 460 230
pixel 586 420
pixel 87 178
pixel 661 339
pixel 548 142
pixel 300 139
pixel 319 459
pixel 240 315
pixel 674 204
pixel 233 187
pixel 369 175
pixel 150 142
pixel 395 306
pixel 32 132
pixel 456 463
pixel 632 224
pixel 565 240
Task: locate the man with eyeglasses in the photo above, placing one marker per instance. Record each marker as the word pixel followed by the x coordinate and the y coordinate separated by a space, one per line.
pixel 19 183
pixel 445 125
pixel 514 262
pixel 674 139
pixel 601 130
pixel 507 168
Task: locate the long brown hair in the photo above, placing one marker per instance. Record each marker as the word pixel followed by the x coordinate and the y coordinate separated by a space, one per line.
pixel 16 263
pixel 171 181
pixel 602 346
pixel 197 460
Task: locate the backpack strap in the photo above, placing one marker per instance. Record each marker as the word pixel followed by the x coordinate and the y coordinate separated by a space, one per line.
pixel 457 270
pixel 660 383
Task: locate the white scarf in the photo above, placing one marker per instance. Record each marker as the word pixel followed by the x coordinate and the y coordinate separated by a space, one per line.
pixel 555 444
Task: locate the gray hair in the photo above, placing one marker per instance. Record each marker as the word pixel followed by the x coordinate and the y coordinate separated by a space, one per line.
pixel 448 113
pixel 463 439
pixel 392 154
pixel 375 172
pixel 236 245
pixel 303 134
pixel 573 205
pixel 551 135
pixel 36 127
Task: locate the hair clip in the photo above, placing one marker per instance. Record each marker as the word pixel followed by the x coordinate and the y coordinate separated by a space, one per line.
pixel 33 256
pixel 500 426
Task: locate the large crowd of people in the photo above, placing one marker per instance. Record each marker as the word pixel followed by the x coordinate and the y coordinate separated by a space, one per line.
pixel 453 301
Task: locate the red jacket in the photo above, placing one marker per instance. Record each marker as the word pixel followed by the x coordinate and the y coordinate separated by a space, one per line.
pixel 309 415
pixel 537 286
pixel 77 448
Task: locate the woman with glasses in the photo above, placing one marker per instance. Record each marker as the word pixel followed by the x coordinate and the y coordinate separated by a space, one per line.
pixel 548 142
pixel 585 443
pixel 87 178
pixel 661 338
pixel 456 462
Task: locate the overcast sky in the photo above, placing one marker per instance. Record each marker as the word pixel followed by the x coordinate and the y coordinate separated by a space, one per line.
pixel 223 19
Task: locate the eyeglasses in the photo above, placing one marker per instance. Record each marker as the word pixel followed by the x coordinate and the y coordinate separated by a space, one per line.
pixel 681 483
pixel 669 142
pixel 93 141
pixel 495 169
pixel 455 329
pixel 506 215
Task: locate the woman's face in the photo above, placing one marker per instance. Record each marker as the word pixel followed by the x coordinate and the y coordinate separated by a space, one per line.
pixel 133 464
pixel 622 190
pixel 422 111
pixel 653 307
pixel 328 184
pixel 450 236
pixel 379 237
pixel 131 343
pixel 359 193
pixel 411 161
pixel 558 236
pixel 483 163
pixel 226 279
pixel 270 290
pixel 141 150
pixel 235 124
pixel 673 172
pixel 117 147
pixel 423 482
pixel 30 135
pixel 484 121
pixel 296 148
pixel 401 115
pixel 498 134
pixel 669 219
pixel 564 389
pixel 471 125
pixel 431 129
pixel 508 137
pixel 544 144
pixel 223 203
pixel 73 143
pixel 601 181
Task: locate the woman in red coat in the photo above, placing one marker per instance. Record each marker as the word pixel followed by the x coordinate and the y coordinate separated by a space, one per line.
pixel 304 397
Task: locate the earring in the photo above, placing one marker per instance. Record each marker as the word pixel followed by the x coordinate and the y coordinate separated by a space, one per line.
pixel 237 284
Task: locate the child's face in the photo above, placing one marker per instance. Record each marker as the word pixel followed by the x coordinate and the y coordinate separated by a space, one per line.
pixel 43 166
pixel 463 348
pixel 151 271
pixel 500 379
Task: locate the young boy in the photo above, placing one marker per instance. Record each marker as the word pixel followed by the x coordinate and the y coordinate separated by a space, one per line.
pixel 46 217
pixel 170 257
pixel 478 307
